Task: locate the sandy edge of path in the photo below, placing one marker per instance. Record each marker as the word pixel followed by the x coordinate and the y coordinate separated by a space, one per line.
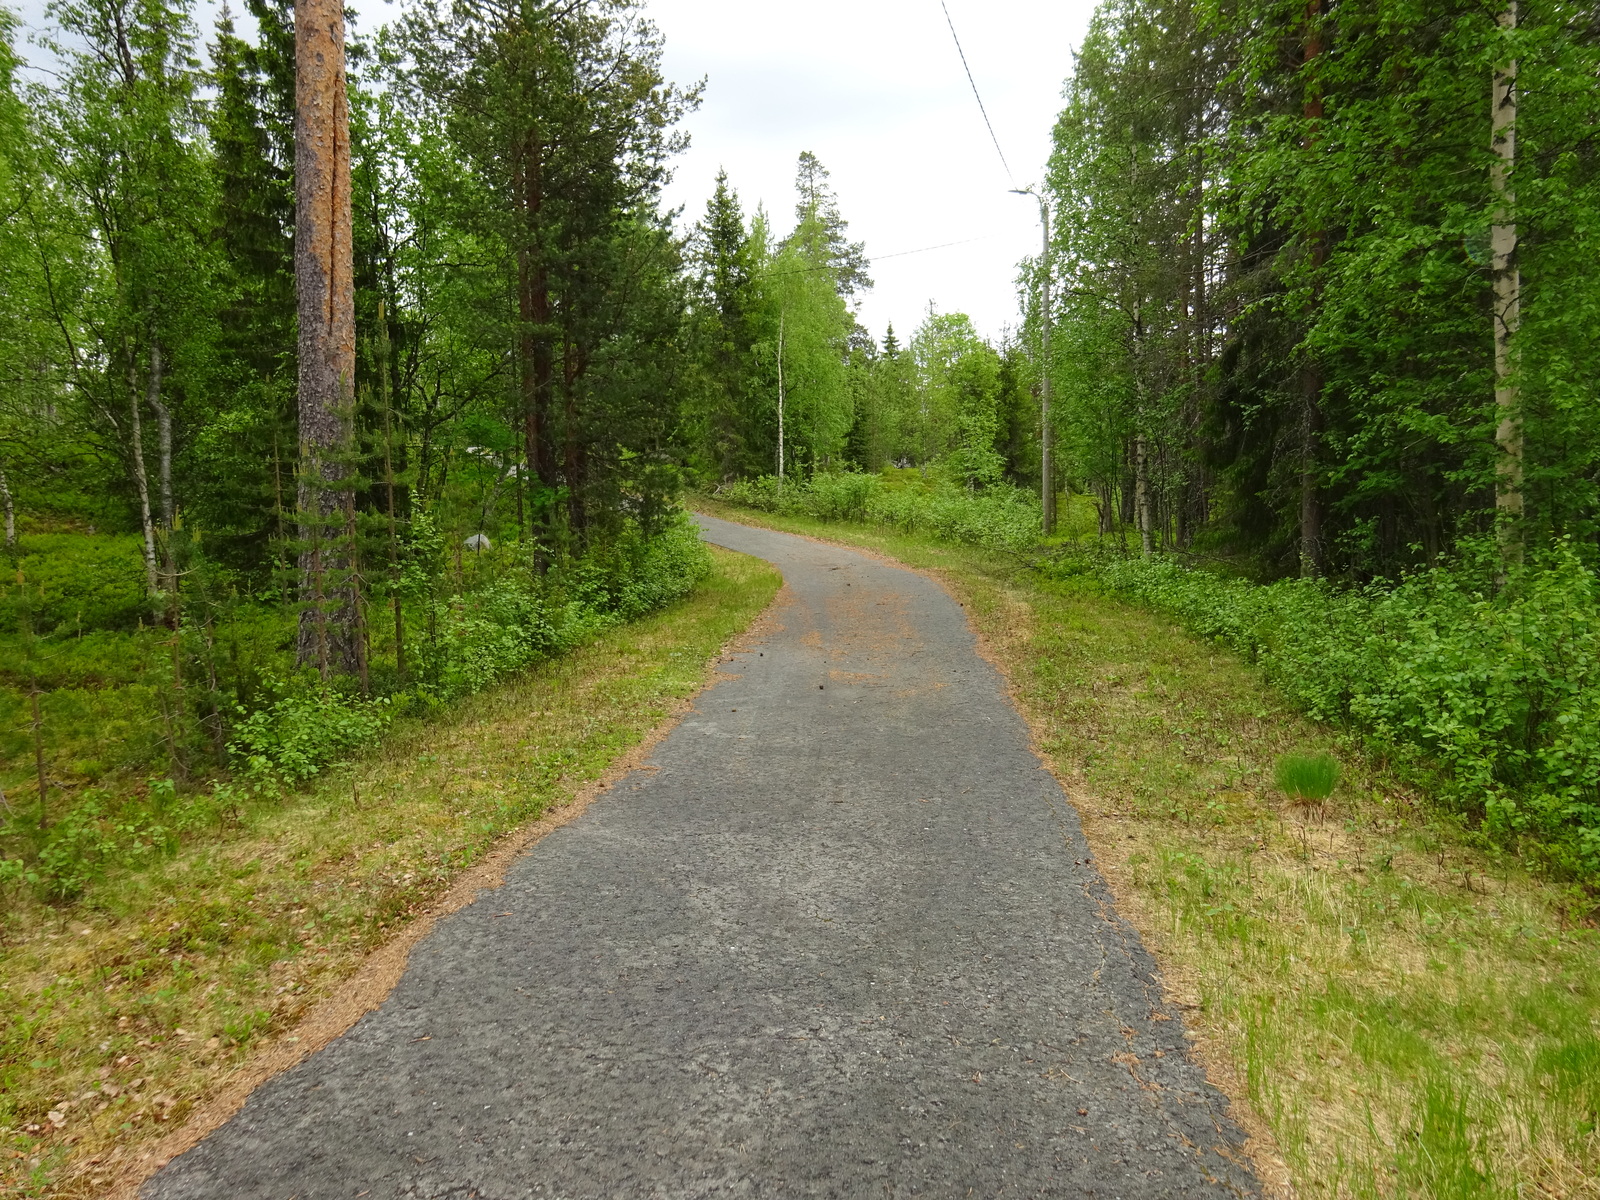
pixel 380 971
pixel 1177 987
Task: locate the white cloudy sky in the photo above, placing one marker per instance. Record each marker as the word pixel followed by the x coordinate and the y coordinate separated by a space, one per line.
pixel 875 89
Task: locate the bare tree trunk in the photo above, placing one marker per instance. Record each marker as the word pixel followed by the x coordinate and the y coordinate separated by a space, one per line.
pixel 1141 492
pixel 533 294
pixel 152 391
pixel 1310 502
pixel 388 479
pixel 1507 300
pixel 8 505
pixel 575 455
pixel 141 482
pixel 1311 372
pixel 325 289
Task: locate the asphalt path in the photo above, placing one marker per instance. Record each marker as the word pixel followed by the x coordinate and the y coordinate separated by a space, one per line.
pixel 841 936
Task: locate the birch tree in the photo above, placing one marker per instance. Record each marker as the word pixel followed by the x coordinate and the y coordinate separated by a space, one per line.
pixel 1507 294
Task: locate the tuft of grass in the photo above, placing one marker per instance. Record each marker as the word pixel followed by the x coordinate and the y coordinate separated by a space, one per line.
pixel 1307 778
pixel 1402 1010
pixel 123 1009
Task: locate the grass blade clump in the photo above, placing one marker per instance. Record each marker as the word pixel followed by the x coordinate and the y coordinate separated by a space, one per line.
pixel 1307 778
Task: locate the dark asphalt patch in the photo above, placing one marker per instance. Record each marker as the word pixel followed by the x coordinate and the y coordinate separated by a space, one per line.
pixel 843 941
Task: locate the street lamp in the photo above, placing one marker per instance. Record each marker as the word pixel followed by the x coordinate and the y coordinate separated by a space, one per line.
pixel 1047 484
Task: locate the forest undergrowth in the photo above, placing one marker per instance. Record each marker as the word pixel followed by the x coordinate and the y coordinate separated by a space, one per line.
pixel 127 1006
pixel 1407 1011
pixel 122 738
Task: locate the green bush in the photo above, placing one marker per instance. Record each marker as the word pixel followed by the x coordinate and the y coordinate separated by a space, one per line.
pixel 1496 680
pixel 110 707
pixel 524 616
pixel 1002 518
pixel 293 738
pixel 76 581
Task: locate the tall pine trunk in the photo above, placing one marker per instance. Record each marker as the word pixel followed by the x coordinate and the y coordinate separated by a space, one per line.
pixel 325 289
pixel 536 360
pixel 1507 299
pixel 1311 381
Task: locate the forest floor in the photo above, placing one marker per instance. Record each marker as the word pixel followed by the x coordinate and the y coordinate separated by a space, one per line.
pixel 1402 1012
pixel 169 991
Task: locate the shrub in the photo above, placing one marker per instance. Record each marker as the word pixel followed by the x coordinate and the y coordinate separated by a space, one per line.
pixel 74 580
pixel 1002 518
pixel 293 738
pixel 1496 680
pixel 523 616
pixel 107 697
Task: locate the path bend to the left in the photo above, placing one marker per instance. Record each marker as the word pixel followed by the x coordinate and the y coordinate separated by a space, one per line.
pixel 840 936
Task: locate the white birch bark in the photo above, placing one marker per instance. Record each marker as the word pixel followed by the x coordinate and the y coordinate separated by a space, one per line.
pixel 1507 292
pixel 141 483
pixel 1141 493
pixel 164 452
pixel 9 507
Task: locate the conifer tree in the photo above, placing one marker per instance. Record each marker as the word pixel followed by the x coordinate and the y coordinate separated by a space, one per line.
pixel 325 288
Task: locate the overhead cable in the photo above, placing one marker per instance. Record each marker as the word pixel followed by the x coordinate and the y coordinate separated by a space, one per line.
pixel 975 94
pixel 874 259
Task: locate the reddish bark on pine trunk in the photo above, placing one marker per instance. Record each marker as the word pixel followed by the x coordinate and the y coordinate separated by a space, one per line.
pixel 325 288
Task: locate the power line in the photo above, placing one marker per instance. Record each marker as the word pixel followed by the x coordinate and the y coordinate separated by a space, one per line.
pixel 925 249
pixel 875 258
pixel 975 95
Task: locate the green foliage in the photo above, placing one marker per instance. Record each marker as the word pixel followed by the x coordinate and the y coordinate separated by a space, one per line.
pixel 1273 228
pixel 523 616
pixel 110 710
pixel 1000 517
pixel 293 738
pixel 1310 777
pixel 768 310
pixel 1497 680
pixel 74 582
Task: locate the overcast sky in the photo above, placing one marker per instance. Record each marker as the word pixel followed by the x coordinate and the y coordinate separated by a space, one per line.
pixel 876 90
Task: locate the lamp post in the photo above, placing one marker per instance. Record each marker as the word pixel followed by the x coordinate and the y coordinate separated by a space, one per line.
pixel 782 312
pixel 1047 483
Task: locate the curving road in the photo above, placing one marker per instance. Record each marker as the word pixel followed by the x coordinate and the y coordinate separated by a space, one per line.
pixel 843 937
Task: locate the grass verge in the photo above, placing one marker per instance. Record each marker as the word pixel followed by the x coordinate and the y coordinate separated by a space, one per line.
pixel 122 1012
pixel 1409 1014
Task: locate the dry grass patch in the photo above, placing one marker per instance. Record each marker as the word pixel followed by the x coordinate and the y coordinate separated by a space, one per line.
pixel 123 1011
pixel 1410 1014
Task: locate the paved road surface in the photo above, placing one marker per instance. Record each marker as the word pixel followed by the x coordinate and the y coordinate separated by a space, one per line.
pixel 841 938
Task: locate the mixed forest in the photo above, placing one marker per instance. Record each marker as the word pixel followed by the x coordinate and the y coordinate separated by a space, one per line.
pixel 1314 316
pixel 347 372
